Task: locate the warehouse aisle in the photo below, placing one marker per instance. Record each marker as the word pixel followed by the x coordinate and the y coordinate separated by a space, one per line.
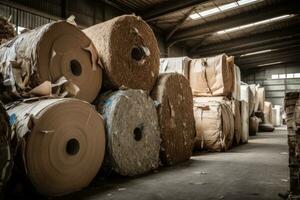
pixel 257 170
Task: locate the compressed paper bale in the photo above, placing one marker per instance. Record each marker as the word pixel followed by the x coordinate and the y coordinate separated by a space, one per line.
pixel 211 76
pixel 235 106
pixel 245 121
pixel 6 159
pixel 236 94
pixel 176 118
pixel 128 50
pixel 179 65
pixel 133 137
pixel 268 112
pixel 255 102
pixel 278 115
pixel 253 125
pixel 64 143
pixel 48 53
pixel 7 30
pixel 247 95
pixel 214 125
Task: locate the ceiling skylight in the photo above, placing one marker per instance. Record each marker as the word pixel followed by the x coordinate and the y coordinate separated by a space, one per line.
pixel 257 52
pixel 267 64
pixel 222 8
pixel 255 24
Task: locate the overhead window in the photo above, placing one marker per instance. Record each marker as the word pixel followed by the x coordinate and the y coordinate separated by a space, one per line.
pixel 275 76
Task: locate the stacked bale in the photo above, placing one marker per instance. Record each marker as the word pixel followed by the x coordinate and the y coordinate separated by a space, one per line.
pixel 131 62
pixel 292 109
pixel 214 125
pixel 254 107
pixel 267 125
pixel 54 53
pixel 237 83
pixel 276 113
pixel 175 113
pixel 247 96
pixel 7 30
pixel 236 111
pixel 253 125
pixel 179 65
pixel 57 149
pixel 6 159
pixel 244 121
pixel 132 130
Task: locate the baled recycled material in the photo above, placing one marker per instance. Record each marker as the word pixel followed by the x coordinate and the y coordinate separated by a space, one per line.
pixel 278 116
pixel 235 106
pixel 268 112
pixel 64 143
pixel 133 136
pixel 254 107
pixel 179 65
pixel 253 125
pixel 173 94
pixel 48 53
pixel 236 94
pixel 7 30
pixel 214 125
pixel 247 96
pixel 244 121
pixel 129 52
pixel 6 157
pixel 211 76
pixel 260 98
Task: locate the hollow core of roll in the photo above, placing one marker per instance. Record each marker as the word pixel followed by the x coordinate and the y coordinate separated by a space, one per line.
pixel 75 68
pixel 72 147
pixel 138 133
pixel 138 53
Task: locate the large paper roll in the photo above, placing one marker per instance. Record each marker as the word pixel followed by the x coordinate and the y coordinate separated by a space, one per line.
pixel 6 159
pixel 65 143
pixel 133 137
pixel 214 125
pixel 47 53
pixel 129 52
pixel 176 118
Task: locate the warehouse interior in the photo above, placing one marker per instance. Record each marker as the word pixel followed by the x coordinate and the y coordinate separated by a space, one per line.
pixel 207 106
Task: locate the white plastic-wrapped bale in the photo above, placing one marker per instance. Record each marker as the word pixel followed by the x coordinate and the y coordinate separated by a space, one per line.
pixel 176 118
pixel 245 121
pixel 39 57
pixel 133 136
pixel 247 96
pixel 129 52
pixel 236 94
pixel 214 125
pixel 63 139
pixel 179 65
pixel 277 115
pixel 260 98
pixel 6 159
pixel 236 106
pixel 253 125
pixel 268 112
pixel 211 76
pixel 255 102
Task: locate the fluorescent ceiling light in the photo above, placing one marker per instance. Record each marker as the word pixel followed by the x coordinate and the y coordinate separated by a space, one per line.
pixel 228 6
pixel 209 12
pixel 267 64
pixel 257 52
pixel 194 16
pixel 243 2
pixel 255 24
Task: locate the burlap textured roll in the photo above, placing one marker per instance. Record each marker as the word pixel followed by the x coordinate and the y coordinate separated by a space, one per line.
pixel 214 125
pixel 133 137
pixel 65 143
pixel 6 159
pixel 47 53
pixel 176 118
pixel 129 52
pixel 7 30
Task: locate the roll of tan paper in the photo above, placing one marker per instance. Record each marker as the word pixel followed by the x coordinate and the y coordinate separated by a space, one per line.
pixel 214 125
pixel 48 53
pixel 129 52
pixel 176 118
pixel 6 158
pixel 65 143
pixel 133 137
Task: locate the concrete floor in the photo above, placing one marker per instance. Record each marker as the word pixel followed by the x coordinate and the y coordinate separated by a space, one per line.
pixel 257 170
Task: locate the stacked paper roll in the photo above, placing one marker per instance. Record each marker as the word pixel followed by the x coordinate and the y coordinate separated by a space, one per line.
pixel 64 143
pixel 176 119
pixel 128 50
pixel 133 137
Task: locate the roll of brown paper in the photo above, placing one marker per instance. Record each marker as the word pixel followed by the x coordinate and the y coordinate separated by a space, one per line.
pixel 176 118
pixel 47 53
pixel 6 159
pixel 132 131
pixel 65 143
pixel 129 52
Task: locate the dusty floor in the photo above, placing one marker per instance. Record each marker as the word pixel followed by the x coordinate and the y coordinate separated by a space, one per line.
pixel 257 170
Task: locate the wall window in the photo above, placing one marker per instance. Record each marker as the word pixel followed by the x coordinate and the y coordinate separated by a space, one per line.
pixel 284 76
pixel 290 76
pixel 297 75
pixel 275 76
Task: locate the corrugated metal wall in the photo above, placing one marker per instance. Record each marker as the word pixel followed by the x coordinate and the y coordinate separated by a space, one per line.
pixel 275 88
